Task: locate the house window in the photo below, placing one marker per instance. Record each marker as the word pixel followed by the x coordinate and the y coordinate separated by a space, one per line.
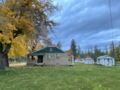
pixel 57 64
pixel 48 56
pixel 99 60
pixel 57 56
pixel 50 49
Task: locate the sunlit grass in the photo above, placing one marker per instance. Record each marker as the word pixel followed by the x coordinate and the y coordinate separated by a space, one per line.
pixel 118 63
pixel 79 77
pixel 17 64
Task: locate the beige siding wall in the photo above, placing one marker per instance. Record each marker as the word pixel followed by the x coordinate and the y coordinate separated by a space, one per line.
pixel 63 60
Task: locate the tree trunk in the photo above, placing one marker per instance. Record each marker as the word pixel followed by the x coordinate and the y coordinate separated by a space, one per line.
pixel 19 59
pixel 2 65
pixel 6 60
pixel 3 55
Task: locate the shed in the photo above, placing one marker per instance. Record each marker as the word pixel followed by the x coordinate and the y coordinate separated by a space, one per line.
pixel 82 60
pixel 106 60
pixel 79 60
pixel 89 61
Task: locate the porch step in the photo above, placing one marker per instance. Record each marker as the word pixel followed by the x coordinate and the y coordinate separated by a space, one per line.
pixel 30 64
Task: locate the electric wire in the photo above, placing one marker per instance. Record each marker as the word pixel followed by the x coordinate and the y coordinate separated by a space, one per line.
pixel 111 19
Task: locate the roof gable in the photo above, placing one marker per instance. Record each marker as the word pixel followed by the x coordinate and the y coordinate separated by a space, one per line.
pixel 49 49
pixel 105 56
pixel 89 58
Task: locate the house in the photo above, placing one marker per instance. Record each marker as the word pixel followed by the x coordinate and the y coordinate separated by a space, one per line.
pixel 89 61
pixel 106 60
pixel 82 60
pixel 79 60
pixel 49 56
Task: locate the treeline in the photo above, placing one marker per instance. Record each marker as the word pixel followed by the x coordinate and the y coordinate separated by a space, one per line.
pixel 92 52
pixel 17 59
pixel 117 52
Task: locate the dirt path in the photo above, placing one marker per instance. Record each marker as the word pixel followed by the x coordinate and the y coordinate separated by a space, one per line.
pixel 17 64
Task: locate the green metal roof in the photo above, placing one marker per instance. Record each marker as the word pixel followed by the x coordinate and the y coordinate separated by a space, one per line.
pixel 35 54
pixel 47 50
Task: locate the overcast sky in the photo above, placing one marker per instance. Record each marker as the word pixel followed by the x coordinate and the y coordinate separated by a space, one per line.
pixel 87 22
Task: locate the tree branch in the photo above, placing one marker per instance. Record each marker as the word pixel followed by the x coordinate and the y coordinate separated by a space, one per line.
pixel 15 36
pixel 7 49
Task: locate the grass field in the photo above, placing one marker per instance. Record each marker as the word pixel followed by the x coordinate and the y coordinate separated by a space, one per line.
pixel 79 77
pixel 118 63
pixel 17 64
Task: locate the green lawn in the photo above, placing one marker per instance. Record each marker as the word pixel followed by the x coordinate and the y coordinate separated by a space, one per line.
pixel 79 77
pixel 118 63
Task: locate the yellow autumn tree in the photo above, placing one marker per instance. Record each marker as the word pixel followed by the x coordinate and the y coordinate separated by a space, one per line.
pixel 87 56
pixel 19 17
pixel 69 52
pixel 18 48
pixel 78 57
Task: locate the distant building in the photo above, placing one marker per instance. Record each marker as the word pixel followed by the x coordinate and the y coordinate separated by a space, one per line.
pixel 106 60
pixel 80 60
pixel 50 56
pixel 89 61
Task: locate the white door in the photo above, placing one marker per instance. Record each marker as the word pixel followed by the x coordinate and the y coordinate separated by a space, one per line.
pixel 90 61
pixel 110 62
pixel 106 63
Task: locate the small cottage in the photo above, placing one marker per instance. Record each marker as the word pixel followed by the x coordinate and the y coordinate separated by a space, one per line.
pixel 49 56
pixel 89 61
pixel 106 60
pixel 79 60
pixel 82 60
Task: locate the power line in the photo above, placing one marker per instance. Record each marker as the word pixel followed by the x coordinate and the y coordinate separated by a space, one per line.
pixel 112 31
pixel 111 18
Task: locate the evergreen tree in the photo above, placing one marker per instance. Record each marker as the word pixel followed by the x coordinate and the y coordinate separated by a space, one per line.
pixel 106 50
pixel 99 52
pixel 96 51
pixel 79 50
pixel 91 52
pixel 59 45
pixel 117 53
pixel 82 54
pixel 88 52
pixel 85 52
pixel 111 50
pixel 73 47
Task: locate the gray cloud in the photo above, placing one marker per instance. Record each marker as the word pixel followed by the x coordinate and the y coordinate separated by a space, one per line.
pixel 88 22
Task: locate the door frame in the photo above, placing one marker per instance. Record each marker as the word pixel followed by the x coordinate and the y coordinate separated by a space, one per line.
pixel 38 58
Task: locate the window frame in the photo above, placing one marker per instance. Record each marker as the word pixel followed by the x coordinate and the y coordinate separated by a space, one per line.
pixel 56 56
pixel 57 64
pixel 49 56
pixel 50 49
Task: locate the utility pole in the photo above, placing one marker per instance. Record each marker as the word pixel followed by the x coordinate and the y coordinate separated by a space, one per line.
pixel 113 52
pixel 91 48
